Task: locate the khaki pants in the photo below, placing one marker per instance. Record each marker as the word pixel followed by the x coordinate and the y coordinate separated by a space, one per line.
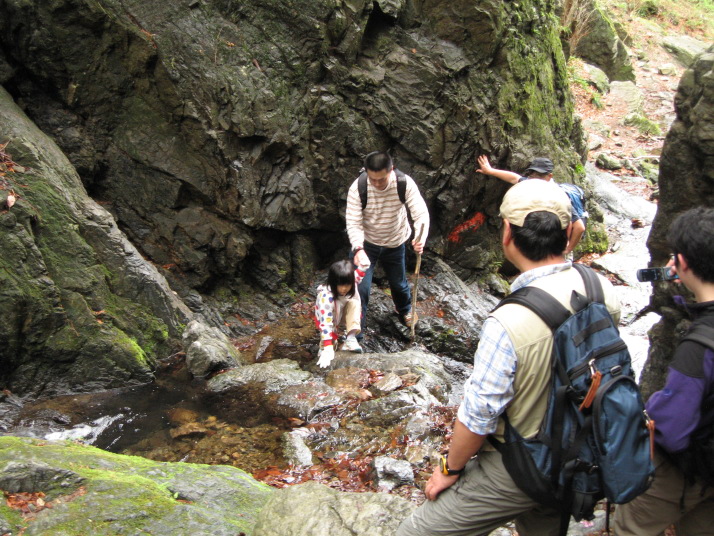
pixel 482 499
pixel 659 506
pixel 351 314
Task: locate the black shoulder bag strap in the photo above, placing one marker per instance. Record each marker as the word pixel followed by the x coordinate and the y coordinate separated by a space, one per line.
pixel 702 334
pixel 401 186
pixel 550 310
pixel 553 313
pixel 593 287
pixel 362 188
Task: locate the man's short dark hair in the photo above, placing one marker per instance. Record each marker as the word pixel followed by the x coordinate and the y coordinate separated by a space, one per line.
pixel 692 235
pixel 377 161
pixel 541 236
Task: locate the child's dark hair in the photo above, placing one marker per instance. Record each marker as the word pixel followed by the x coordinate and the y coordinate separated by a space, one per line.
pixel 341 273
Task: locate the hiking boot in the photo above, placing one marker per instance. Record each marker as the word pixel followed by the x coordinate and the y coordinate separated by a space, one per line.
pixel 409 318
pixel 351 345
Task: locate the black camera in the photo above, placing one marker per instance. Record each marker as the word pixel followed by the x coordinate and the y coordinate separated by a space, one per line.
pixel 663 273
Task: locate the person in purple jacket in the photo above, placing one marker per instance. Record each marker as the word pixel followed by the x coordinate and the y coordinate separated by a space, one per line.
pixel 682 492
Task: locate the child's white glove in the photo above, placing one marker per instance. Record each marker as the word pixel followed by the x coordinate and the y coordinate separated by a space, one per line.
pixel 327 354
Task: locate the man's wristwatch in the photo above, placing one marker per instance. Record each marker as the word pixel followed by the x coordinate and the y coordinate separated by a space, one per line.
pixel 444 467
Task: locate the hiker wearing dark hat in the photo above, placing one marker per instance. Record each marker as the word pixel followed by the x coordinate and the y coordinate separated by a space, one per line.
pixel 542 168
pixel 470 494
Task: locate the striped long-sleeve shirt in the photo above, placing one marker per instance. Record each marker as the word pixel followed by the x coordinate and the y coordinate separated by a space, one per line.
pixel 383 221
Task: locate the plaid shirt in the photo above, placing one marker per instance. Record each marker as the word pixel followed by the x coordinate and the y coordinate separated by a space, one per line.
pixel 489 389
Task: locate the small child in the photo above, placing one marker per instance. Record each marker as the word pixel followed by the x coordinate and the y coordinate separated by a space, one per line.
pixel 336 301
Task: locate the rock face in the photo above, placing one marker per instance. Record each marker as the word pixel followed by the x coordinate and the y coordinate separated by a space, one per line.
pixel 223 135
pixel 686 180
pixel 89 491
pixel 81 309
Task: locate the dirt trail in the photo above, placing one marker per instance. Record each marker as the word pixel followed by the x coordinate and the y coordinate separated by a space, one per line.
pixel 657 77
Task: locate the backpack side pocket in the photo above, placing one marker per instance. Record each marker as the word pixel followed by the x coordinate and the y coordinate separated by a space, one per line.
pixel 622 440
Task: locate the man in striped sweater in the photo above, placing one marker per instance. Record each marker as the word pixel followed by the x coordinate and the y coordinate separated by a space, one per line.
pixel 381 229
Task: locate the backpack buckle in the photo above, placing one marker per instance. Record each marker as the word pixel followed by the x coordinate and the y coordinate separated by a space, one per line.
pixel 574 395
pixel 581 466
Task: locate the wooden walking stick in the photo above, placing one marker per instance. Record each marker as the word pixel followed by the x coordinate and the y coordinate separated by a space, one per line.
pixel 416 285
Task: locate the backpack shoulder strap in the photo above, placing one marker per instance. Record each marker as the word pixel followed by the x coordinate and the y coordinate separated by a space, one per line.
pixel 550 310
pixel 362 188
pixel 593 287
pixel 702 334
pixel 401 186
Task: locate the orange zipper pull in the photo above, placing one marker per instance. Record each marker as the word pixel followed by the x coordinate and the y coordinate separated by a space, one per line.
pixel 595 379
pixel 651 427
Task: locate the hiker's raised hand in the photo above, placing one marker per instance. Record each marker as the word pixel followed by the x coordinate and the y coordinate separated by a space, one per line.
pixel 437 483
pixel 484 165
pixel 672 265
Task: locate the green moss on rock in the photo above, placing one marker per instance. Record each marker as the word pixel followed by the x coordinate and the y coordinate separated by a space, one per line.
pixel 594 240
pixel 61 303
pixel 132 495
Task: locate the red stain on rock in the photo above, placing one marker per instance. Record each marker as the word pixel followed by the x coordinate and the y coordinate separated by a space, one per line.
pixel 469 225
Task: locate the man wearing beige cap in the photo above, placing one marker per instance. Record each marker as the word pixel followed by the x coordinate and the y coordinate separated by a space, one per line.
pixel 470 495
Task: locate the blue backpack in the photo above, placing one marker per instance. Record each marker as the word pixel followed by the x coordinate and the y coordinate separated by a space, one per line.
pixel 596 440
pixel 577 198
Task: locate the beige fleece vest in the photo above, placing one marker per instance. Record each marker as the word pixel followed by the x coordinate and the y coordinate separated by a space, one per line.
pixel 533 343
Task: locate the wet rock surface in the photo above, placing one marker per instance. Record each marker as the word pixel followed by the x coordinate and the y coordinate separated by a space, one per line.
pixel 628 219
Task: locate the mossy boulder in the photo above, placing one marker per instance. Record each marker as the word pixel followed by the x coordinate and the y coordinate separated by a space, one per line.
pixel 602 46
pixel 90 491
pixel 82 310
